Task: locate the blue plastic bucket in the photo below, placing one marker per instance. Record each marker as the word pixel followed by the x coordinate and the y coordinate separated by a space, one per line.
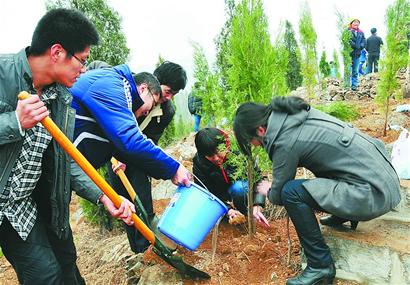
pixel 190 216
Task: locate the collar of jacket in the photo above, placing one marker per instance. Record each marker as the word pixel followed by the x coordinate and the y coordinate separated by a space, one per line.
pixel 25 72
pixel 278 122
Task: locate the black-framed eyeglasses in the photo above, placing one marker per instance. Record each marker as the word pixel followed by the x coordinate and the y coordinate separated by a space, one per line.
pixel 82 62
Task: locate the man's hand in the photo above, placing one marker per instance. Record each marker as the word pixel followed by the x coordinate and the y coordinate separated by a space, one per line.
pixel 124 212
pixel 259 217
pixel 263 187
pixel 182 176
pixel 30 111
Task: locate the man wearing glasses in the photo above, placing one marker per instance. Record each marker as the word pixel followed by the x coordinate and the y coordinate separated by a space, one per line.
pixel 36 176
pixel 172 78
pixel 107 101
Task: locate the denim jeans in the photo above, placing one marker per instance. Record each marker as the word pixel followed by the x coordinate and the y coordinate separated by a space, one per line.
pixel 197 122
pixel 239 194
pixel 299 204
pixel 355 71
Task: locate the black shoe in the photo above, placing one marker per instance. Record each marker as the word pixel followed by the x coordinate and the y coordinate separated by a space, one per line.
pixel 336 222
pixel 312 276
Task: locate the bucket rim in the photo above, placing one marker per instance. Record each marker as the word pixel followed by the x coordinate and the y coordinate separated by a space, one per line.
pixel 206 192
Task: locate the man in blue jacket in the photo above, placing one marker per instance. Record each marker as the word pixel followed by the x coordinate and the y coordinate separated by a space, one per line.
pixel 172 78
pixel 107 102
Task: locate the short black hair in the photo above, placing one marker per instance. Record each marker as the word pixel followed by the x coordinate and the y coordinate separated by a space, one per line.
pixel 208 140
pixel 67 27
pixel 150 80
pixel 172 75
pixel 373 30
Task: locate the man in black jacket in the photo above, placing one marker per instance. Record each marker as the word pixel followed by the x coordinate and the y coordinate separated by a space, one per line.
pixel 373 44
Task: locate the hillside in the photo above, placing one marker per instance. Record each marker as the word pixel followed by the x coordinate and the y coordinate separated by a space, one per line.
pixel 104 258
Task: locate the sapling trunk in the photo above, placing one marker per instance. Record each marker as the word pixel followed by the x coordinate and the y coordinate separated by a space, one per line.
pixel 251 222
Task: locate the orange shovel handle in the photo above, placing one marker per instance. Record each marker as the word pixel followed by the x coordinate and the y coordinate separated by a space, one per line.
pixel 85 165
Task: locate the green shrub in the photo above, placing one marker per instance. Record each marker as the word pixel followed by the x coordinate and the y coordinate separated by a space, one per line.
pixel 341 110
pixel 1 253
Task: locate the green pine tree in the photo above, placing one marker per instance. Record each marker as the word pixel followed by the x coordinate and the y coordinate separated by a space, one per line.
pixel 324 65
pixel 345 48
pixel 293 74
pixel 113 44
pixel 308 39
pixel 396 55
pixel 336 64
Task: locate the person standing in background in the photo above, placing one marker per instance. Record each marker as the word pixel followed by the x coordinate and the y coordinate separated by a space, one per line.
pixel 373 44
pixel 195 105
pixel 357 43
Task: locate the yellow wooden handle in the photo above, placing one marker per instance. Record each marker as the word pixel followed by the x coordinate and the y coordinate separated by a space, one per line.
pixel 85 165
pixel 124 179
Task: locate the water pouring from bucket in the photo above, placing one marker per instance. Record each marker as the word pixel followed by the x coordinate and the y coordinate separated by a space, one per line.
pixel 191 215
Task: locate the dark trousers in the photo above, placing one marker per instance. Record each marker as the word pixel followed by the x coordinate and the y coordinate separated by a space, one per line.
pixel 42 258
pixel 142 187
pixel 372 63
pixel 299 204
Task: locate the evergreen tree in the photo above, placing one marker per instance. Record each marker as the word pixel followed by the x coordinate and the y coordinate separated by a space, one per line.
pixel 336 64
pixel 396 55
pixel 113 46
pixel 308 39
pixel 280 64
pixel 345 48
pixel 209 91
pixel 223 47
pixel 324 65
pixel 293 74
pixel 251 62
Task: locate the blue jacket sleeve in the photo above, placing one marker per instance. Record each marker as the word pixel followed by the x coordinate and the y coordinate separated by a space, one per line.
pixel 107 102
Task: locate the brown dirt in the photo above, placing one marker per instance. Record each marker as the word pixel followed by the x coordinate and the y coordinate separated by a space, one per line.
pixel 238 259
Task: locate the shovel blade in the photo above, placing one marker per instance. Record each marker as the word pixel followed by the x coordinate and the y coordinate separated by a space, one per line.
pixel 176 261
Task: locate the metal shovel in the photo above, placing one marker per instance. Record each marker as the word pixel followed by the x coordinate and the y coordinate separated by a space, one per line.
pixel 161 250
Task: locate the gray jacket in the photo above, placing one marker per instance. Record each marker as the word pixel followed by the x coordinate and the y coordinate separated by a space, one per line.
pixel 60 171
pixel 354 177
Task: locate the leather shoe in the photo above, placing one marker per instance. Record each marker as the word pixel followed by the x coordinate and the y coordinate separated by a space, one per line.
pixel 312 276
pixel 336 222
